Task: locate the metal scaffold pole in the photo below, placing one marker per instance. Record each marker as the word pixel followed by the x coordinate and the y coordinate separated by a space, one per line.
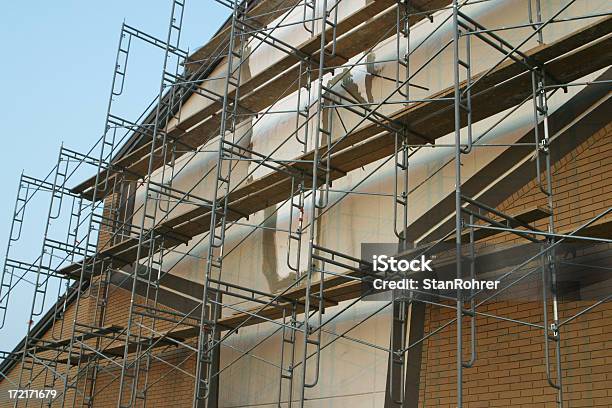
pixel 458 212
pixel 150 242
pixel 219 207
pixel 88 265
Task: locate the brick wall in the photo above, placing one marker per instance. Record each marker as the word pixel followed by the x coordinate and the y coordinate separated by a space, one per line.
pixel 107 226
pixel 510 366
pixel 42 378
pixel 509 369
pixel 170 385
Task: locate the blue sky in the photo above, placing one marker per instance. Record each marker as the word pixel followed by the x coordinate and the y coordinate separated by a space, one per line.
pixel 55 74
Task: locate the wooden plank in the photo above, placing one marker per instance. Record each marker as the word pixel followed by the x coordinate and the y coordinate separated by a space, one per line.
pixel 526 216
pixel 43 345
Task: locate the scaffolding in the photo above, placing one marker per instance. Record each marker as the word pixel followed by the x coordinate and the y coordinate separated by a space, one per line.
pixel 113 231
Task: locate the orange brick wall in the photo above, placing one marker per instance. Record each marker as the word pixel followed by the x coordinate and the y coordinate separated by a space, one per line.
pixel 42 377
pixel 106 227
pixel 509 369
pixel 582 187
pixel 170 385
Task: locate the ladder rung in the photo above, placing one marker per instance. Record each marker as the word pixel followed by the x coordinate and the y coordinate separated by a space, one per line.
pixel 463 63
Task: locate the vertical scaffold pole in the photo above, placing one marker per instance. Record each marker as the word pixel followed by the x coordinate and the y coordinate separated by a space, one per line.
pixel 210 310
pixel 310 267
pixel 458 219
pixel 149 241
pixel 549 269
